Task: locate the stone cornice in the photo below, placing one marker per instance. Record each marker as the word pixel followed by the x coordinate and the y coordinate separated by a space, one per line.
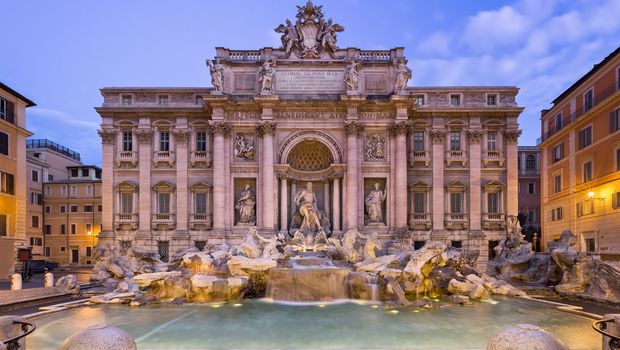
pixel 265 128
pixel 107 135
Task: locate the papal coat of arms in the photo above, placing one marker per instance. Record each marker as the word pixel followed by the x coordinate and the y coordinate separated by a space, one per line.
pixel 311 35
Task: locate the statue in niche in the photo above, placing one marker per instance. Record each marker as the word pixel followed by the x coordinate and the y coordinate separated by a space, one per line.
pixel 375 147
pixel 266 75
pixel 403 75
pixel 245 206
pixel 217 75
pixel 352 74
pixel 289 36
pixel 312 228
pixel 244 147
pixel 374 204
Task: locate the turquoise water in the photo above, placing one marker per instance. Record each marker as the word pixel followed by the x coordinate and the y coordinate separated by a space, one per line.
pixel 252 324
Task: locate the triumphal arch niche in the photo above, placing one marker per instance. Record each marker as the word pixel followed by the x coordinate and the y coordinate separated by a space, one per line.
pixel 310 139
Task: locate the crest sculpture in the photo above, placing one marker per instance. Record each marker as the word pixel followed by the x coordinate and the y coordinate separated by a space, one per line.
pixel 311 35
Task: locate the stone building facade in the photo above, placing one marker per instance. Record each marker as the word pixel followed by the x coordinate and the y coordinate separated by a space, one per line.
pixel 580 151
pixel 196 166
pixel 529 192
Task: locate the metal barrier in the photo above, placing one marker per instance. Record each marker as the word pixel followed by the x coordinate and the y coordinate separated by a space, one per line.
pixel 601 327
pixel 27 329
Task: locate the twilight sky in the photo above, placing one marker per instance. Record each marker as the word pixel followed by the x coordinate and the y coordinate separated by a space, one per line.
pixel 59 53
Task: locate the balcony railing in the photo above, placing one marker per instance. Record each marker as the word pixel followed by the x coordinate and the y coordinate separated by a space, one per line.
pixel 419 156
pixel 200 221
pixel 493 220
pixel 164 219
pixel 598 98
pixel 456 221
pixel 529 172
pixel 420 221
pixel 490 156
pixel 163 157
pixel 130 157
pixel 456 156
pixel 198 157
pixel 123 219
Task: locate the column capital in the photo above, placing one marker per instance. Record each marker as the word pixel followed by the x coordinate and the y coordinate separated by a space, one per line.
pixel 265 128
pixel 107 135
pixel 181 135
pixel 438 135
pixel 400 128
pixel 512 135
pixel 144 135
pixel 353 128
pixel 220 128
pixel 475 135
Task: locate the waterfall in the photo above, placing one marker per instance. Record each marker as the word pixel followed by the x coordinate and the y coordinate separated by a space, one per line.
pixel 308 284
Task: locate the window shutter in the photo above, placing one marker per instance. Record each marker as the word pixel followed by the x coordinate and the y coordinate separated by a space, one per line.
pixel 10 112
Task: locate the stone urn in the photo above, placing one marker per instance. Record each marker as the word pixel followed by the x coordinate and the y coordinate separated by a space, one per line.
pixel 524 337
pixel 99 337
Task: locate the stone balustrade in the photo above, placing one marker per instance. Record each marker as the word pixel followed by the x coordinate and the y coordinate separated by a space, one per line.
pixel 200 221
pixel 456 221
pixel 493 156
pixel 197 157
pixel 419 157
pixel 130 157
pixel 418 221
pixel 456 157
pixel 163 157
pixel 493 220
pixel 129 219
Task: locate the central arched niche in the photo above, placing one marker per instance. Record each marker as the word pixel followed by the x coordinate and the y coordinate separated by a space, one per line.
pixel 310 155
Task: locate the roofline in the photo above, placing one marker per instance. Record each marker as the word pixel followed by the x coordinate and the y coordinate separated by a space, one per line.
pixel 83 166
pixel 29 102
pixel 474 87
pixel 154 88
pixel 586 76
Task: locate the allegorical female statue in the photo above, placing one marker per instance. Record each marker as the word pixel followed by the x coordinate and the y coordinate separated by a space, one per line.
pixel 404 74
pixel 266 75
pixel 217 75
pixel 374 204
pixel 351 75
pixel 245 206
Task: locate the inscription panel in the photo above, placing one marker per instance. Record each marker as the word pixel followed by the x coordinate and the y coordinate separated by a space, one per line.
pixel 309 81
pixel 245 81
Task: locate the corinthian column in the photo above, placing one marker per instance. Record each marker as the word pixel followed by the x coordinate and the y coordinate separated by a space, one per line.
pixel 437 137
pixel 283 203
pixel 512 175
pixel 266 131
pixel 181 136
pixel 353 130
pixel 145 140
pixel 474 136
pixel 107 140
pixel 220 130
pixel 336 204
pixel 399 131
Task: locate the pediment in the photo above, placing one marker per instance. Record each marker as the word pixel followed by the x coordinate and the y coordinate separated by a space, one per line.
pixel 201 186
pixel 164 186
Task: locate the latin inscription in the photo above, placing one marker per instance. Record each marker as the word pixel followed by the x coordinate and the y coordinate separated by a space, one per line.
pixel 309 81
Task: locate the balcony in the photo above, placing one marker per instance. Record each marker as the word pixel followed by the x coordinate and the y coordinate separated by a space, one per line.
pixel 493 221
pixel 456 221
pixel 420 221
pixel 456 157
pixel 419 157
pixel 124 221
pixel 200 157
pixel 164 221
pixel 200 221
pixel 493 156
pixel 529 172
pixel 163 157
pixel 127 157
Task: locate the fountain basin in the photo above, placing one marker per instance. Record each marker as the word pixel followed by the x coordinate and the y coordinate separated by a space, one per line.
pixel 326 283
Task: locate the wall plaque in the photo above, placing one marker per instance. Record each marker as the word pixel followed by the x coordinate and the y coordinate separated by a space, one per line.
pixel 245 81
pixel 309 81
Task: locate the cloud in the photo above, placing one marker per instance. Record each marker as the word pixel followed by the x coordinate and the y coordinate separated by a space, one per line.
pixel 438 42
pixel 62 117
pixel 490 29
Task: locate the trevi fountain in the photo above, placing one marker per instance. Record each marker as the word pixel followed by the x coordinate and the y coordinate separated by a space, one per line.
pixel 324 279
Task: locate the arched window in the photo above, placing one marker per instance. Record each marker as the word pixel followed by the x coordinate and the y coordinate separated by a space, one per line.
pixel 530 162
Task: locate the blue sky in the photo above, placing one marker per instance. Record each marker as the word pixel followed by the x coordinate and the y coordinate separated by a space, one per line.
pixel 59 53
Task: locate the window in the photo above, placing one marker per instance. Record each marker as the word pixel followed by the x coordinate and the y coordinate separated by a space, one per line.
pixel 47 229
pixel 418 202
pixel 36 198
pixel 493 202
pixel 530 162
pixel 201 141
pixel 48 209
pixel 492 100
pixel 615 200
pixel 590 244
pixel 419 100
pixel 48 251
pixel 617 159
pixel 63 190
pixel 126 202
pixel 587 171
pixel 48 191
pixel 7 183
pixel 585 207
pixel 85 172
pixel 618 78
pixel 73 229
pixel 492 140
pixel 418 244
pixel 3 226
pixel 531 215
pixel 558 122
pixel 36 241
pixel 614 121
pixel 163 100
pixel 73 190
pixel 456 199
pixel 585 137
pixel 74 208
pixel 457 244
pixel 200 205
pixel 531 188
pixel 200 245
pixel 89 251
pixel 455 141
pixel 89 189
pixel 89 228
pixel 74 172
pixel 126 100
pixel 7 110
pixel 98 174
pixel 164 141
pixel 35 221
pixel 50 178
pixel 557 183
pixel 455 100
pixel 163 203
pixel 63 208
pixel 34 176
pixel 127 141
pixel 556 214
pixel 99 208
pixel 4 143
pixel 63 249
pixel 88 208
pixel 63 229
pixel 418 141
pixel 199 100
pixel 558 152
pixel 588 100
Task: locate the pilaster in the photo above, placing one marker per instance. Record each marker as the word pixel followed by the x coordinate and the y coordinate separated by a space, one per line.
pixel 353 131
pixel 220 131
pixel 438 137
pixel 475 186
pixel 399 132
pixel 145 142
pixel 181 136
pixel 266 130
pixel 107 179
pixel 512 137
